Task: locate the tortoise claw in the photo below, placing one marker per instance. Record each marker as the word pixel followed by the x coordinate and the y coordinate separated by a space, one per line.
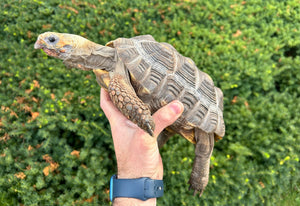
pixel 201 192
pixel 149 129
pixel 196 191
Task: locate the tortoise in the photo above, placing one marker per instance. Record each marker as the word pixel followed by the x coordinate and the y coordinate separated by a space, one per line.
pixel 141 76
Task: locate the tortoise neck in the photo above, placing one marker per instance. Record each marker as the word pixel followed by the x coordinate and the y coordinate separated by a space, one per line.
pixel 98 57
pixel 102 57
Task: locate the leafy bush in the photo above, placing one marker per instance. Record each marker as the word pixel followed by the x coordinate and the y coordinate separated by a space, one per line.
pixel 55 142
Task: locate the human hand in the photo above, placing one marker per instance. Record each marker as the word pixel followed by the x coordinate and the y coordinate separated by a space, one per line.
pixel 136 151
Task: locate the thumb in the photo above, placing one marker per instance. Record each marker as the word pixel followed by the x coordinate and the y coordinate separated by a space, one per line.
pixel 167 115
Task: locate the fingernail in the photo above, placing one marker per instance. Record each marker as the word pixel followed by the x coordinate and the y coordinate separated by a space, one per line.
pixel 176 107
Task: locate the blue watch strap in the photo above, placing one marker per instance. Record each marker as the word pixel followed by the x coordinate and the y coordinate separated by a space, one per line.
pixel 141 188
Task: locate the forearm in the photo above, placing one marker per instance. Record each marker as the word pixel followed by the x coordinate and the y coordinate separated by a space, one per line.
pixel 133 202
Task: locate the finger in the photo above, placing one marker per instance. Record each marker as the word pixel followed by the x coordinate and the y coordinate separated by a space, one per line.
pixel 107 106
pixel 167 115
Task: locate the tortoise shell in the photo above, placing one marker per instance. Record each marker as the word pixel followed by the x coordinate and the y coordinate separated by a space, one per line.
pixel 159 75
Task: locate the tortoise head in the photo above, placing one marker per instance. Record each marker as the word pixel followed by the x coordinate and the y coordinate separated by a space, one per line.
pixel 62 45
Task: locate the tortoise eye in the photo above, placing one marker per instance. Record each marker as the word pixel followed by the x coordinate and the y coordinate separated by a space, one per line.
pixel 52 39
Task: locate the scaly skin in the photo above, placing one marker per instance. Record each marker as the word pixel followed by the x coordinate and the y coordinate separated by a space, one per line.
pixel 129 104
pixel 203 150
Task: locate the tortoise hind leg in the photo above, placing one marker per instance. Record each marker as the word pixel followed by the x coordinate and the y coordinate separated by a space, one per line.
pixel 128 103
pixel 203 150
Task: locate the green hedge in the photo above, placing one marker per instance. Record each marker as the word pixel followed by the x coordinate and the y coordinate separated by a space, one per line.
pixel 55 142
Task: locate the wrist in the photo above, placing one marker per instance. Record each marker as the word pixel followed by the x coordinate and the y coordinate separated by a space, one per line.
pixel 120 201
pixel 140 191
pixel 157 175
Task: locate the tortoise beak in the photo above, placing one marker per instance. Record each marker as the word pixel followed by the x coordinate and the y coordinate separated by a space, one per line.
pixel 38 44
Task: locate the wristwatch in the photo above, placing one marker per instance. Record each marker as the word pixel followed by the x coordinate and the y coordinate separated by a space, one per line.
pixel 140 188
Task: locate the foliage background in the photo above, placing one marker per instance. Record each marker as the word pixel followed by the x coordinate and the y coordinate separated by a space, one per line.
pixel 55 143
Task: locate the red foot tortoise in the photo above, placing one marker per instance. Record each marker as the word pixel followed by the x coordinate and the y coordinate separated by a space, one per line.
pixel 141 76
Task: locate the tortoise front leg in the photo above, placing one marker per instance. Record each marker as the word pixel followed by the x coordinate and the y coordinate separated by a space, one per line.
pixel 203 150
pixel 126 100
